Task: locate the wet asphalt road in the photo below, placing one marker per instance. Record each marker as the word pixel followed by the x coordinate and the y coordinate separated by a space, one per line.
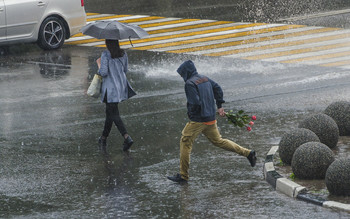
pixel 51 166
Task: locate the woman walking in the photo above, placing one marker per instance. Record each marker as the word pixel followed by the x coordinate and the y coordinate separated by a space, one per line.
pixel 113 65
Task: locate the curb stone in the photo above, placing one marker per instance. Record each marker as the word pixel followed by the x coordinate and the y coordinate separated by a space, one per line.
pixel 292 189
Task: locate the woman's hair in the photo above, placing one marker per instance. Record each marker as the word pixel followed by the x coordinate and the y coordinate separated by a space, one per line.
pixel 114 48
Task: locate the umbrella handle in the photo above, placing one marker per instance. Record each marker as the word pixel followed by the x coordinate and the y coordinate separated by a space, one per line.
pixel 130 41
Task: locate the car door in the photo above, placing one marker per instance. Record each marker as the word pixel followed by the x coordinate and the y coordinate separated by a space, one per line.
pixel 2 21
pixel 23 16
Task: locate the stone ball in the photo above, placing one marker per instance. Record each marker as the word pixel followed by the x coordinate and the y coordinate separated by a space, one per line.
pixel 311 160
pixel 340 113
pixel 292 140
pixel 324 127
pixel 338 177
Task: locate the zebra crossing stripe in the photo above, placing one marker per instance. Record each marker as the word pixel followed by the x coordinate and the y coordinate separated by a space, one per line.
pixel 312 47
pixel 188 27
pixel 94 42
pixel 150 29
pixel 206 27
pixel 140 19
pixel 307 51
pixel 167 35
pixel 91 14
pixel 192 33
pixel 239 52
pixel 337 63
pixel 318 40
pixel 208 37
pixel 344 51
pixel 145 26
pixel 254 40
pixel 87 39
pixel 271 54
pixel 233 41
pixel 328 47
pixel 323 61
pixel 159 19
pixel 126 19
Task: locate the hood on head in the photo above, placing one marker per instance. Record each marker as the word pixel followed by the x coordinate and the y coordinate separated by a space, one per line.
pixel 187 69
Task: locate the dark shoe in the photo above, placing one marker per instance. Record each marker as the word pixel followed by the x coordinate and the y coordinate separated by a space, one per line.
pixel 252 158
pixel 127 143
pixel 102 142
pixel 177 178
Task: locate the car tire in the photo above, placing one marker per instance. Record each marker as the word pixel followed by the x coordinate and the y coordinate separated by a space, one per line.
pixel 52 34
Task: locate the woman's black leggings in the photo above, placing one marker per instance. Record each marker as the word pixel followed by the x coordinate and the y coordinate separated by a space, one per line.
pixel 112 115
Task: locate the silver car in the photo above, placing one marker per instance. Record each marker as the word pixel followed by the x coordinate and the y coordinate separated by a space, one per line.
pixel 47 22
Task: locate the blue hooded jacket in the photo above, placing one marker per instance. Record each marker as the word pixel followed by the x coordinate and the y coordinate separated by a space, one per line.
pixel 201 93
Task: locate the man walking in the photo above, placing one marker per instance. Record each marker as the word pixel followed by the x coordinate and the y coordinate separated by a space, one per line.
pixel 203 96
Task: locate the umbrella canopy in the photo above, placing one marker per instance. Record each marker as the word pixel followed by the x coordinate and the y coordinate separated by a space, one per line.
pixel 113 30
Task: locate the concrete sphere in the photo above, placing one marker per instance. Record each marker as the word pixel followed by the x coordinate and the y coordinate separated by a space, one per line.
pixel 338 177
pixel 324 127
pixel 340 112
pixel 311 160
pixel 292 140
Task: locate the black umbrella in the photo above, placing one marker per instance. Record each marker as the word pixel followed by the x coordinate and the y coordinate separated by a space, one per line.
pixel 113 30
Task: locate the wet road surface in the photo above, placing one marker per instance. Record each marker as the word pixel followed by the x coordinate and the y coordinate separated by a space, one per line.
pixel 51 165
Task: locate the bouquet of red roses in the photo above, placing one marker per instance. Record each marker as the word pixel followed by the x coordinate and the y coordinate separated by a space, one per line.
pixel 241 119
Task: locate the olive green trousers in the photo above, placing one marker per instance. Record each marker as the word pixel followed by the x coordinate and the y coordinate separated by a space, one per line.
pixel 190 133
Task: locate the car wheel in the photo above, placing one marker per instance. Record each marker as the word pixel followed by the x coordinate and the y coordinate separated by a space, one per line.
pixel 51 34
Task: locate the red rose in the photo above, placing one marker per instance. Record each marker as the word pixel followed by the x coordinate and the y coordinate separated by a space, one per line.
pixel 249 129
pixel 251 123
pixel 253 117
